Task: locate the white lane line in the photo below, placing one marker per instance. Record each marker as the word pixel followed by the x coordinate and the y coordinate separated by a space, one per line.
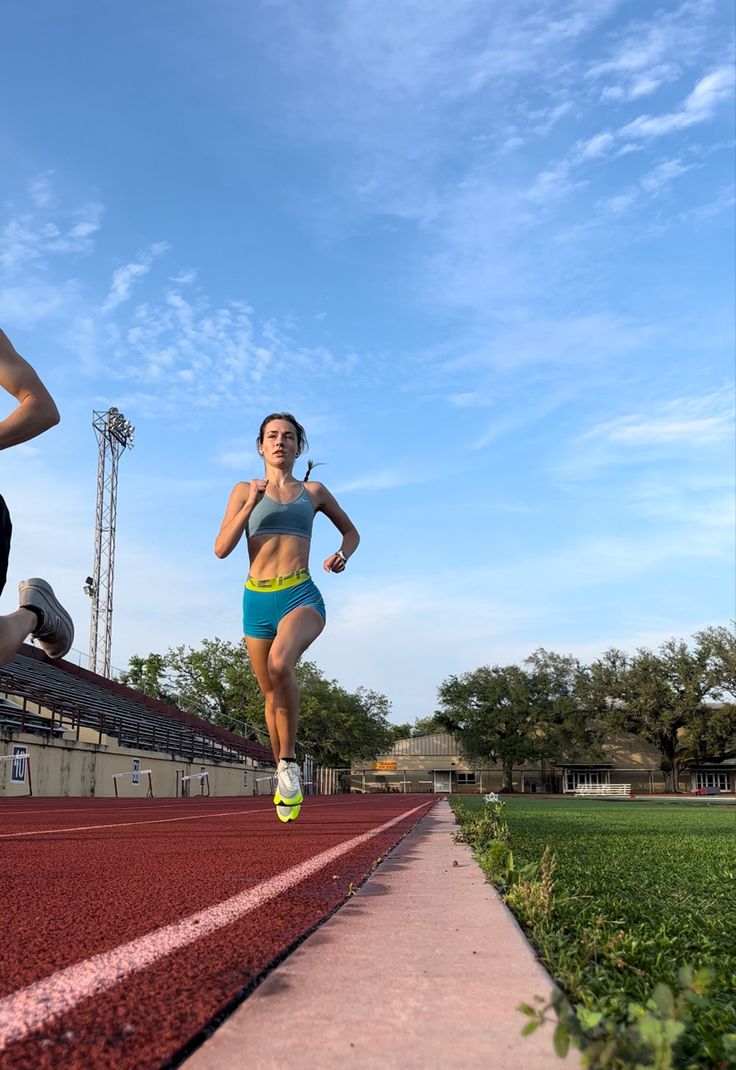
pixel 31 1008
pixel 138 824
pixel 156 821
pixel 56 810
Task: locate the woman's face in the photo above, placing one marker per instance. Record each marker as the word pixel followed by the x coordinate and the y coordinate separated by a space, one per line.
pixel 280 445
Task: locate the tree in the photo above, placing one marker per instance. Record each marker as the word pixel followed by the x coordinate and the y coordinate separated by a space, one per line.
pixel 216 682
pixel 565 728
pixel 336 726
pixel 720 644
pixel 490 710
pixel 426 726
pixel 399 731
pixel 672 699
pixel 512 715
pixel 148 675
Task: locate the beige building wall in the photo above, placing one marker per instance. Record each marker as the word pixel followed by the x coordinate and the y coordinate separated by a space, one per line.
pixel 67 768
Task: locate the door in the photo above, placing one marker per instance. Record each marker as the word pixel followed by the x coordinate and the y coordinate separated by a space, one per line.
pixel 442 780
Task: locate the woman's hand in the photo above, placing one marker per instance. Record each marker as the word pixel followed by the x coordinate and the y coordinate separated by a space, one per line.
pixel 243 500
pixel 257 490
pixel 335 562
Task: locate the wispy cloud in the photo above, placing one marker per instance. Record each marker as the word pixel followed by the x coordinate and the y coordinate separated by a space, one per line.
pixel 469 400
pixel 124 278
pixel 31 236
pixel 649 53
pixel 697 420
pixel 386 479
pixel 697 107
pixel 36 300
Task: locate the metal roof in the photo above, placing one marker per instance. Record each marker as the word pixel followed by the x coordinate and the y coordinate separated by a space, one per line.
pixel 430 745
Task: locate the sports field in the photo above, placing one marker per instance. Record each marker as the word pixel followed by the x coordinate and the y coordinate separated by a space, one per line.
pixel 638 889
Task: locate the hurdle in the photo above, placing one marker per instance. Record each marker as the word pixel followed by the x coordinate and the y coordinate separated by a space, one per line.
pixel 183 783
pixel 25 759
pixel 131 773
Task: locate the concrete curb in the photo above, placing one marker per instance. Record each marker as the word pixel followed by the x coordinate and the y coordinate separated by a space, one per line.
pixel 423 967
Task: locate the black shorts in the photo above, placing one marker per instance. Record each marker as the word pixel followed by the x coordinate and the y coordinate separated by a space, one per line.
pixel 6 530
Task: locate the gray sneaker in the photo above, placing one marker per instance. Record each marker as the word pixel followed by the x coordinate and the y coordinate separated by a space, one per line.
pixel 55 631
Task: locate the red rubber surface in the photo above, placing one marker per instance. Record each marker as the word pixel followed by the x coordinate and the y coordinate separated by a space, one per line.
pixel 69 891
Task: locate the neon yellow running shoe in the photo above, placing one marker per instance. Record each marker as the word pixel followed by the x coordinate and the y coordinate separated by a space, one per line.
pixel 288 796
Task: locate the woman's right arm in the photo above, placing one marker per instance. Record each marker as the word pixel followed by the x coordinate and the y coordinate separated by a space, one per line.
pixel 243 500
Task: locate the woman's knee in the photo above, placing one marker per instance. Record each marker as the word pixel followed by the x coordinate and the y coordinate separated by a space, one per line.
pixel 280 668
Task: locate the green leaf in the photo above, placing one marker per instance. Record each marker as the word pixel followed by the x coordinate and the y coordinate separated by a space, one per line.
pixel 662 996
pixel 561 1040
pixel 589 1019
pixel 529 1028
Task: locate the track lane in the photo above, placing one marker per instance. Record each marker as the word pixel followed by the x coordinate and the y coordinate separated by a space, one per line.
pixel 178 872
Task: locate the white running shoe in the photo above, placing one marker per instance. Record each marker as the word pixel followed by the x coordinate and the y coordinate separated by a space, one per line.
pixel 55 631
pixel 288 796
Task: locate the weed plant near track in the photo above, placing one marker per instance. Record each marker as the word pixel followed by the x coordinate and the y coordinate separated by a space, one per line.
pixel 639 890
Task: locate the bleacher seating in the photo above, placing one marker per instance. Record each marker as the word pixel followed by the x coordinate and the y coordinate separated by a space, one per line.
pixel 79 699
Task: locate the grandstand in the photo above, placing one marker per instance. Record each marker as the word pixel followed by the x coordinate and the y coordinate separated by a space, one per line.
pixel 62 700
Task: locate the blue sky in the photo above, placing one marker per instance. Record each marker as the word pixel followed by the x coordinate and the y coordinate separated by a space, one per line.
pixel 483 251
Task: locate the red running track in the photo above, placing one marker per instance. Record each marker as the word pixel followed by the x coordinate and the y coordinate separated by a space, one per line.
pixel 129 926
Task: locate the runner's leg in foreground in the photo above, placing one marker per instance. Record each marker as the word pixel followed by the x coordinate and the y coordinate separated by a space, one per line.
pixel 40 613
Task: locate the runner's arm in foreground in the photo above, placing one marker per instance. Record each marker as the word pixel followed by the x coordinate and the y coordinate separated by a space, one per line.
pixel 327 504
pixel 36 411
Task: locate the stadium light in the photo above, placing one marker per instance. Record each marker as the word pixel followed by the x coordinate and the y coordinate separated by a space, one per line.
pixel 114 435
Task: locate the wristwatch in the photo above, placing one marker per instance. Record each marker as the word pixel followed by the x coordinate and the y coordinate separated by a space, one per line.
pixel 341 555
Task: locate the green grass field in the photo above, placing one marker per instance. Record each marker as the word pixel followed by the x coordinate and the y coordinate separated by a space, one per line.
pixel 639 890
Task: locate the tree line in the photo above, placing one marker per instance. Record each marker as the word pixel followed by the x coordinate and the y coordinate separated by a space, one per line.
pixel 216 682
pixel 681 699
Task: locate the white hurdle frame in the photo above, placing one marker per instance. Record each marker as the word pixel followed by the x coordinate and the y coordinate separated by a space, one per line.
pixel 182 778
pixel 27 770
pixel 134 772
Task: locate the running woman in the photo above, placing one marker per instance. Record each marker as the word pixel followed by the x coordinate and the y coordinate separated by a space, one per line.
pixel 283 612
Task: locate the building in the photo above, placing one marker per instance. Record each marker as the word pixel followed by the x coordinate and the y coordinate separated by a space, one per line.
pixel 435 763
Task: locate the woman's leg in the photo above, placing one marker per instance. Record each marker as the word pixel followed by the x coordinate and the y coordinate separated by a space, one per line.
pixel 297 630
pixel 258 651
pixel 14 629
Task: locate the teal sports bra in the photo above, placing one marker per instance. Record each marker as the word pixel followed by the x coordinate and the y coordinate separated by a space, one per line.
pixel 272 518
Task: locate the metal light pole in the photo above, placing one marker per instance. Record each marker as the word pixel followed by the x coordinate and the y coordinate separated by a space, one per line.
pixel 114 435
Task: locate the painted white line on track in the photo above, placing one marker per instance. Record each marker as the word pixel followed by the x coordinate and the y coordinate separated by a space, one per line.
pixel 123 824
pixel 56 811
pixel 333 806
pixel 129 806
pixel 31 1008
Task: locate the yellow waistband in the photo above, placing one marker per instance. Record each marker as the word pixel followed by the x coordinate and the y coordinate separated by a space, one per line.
pixel 278 583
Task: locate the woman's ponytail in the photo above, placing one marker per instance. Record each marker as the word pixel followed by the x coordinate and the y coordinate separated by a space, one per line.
pixel 310 465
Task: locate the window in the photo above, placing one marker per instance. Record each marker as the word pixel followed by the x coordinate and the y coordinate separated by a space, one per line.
pixel 712 780
pixel 465 778
pixel 581 778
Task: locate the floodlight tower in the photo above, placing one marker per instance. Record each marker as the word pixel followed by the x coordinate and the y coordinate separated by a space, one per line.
pixel 114 435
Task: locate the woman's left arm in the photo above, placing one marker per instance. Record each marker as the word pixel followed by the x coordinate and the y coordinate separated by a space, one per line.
pixel 327 504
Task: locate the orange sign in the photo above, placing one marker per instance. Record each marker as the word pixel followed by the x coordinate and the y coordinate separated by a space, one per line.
pixel 386 767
